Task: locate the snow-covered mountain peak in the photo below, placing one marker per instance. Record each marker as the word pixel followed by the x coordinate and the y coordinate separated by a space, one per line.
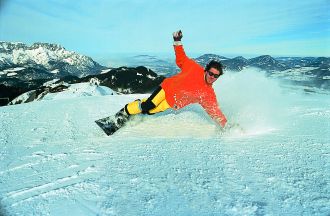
pixel 48 46
pixel 267 62
pixel 9 46
pixel 48 56
pixel 213 56
pixel 264 58
pixel 240 58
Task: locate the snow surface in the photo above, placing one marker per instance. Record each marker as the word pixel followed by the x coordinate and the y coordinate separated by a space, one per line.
pixel 105 71
pixel 14 69
pixel 11 74
pixel 80 90
pixel 55 71
pixel 54 160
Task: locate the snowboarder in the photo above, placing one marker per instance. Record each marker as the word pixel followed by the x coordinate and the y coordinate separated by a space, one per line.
pixel 192 85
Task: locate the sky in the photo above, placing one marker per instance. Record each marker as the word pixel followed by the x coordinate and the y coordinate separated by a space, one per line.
pixel 104 27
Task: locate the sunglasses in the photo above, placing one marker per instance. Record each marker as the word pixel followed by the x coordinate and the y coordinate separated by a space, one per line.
pixel 213 74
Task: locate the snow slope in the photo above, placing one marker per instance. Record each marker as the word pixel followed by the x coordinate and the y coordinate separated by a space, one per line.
pixel 80 90
pixel 55 161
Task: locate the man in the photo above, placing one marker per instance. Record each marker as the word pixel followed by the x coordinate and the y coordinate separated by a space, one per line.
pixel 192 85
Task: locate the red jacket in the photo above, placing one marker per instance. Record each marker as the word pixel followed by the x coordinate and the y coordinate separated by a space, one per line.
pixel 189 86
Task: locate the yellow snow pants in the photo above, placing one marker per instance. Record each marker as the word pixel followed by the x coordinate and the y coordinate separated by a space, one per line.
pixel 154 104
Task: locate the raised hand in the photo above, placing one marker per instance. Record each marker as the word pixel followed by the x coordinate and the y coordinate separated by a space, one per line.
pixel 177 36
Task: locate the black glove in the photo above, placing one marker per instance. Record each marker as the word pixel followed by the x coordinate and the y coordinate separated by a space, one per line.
pixel 177 35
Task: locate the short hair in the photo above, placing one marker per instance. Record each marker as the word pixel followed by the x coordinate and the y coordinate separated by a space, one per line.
pixel 215 64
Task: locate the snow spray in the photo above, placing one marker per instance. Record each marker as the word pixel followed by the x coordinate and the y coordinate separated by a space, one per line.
pixel 252 100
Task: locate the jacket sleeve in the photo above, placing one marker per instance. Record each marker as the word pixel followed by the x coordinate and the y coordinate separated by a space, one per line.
pixel 211 106
pixel 180 56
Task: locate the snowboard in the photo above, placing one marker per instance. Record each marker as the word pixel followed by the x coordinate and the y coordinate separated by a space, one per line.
pixel 111 124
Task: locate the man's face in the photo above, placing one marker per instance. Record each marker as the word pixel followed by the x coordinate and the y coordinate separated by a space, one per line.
pixel 211 75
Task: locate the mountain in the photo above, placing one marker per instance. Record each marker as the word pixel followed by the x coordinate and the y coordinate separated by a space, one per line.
pixel 322 63
pixel 128 80
pixel 19 59
pixel 25 68
pixel 266 62
pixel 236 64
pixel 29 72
pixel 159 65
pixel 123 80
pixel 295 62
pixel 56 89
pixel 204 59
pixel 13 87
pixel 309 72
